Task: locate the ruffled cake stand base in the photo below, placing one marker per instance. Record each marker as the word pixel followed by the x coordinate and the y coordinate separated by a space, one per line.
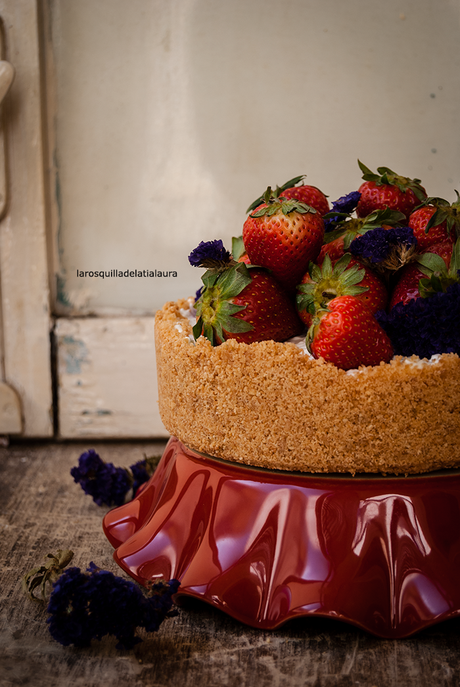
pixel 382 553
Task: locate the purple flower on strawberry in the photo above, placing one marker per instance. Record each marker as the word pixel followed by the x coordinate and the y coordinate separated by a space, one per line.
pixel 424 326
pixel 209 254
pixel 341 209
pixel 376 244
pixel 346 203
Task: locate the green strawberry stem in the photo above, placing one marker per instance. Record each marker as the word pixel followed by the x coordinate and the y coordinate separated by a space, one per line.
pixel 386 176
pixel 214 311
pixel 276 193
pixel 238 248
pixel 328 282
pixel 445 212
pixel 438 276
pixel 351 227
pixel 286 206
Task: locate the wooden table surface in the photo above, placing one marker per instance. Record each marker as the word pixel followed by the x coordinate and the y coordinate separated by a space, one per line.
pixel 42 510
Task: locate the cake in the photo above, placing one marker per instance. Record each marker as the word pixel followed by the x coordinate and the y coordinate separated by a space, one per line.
pixel 371 382
pixel 269 404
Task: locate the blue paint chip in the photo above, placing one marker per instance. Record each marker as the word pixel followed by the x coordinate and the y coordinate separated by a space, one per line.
pixel 75 353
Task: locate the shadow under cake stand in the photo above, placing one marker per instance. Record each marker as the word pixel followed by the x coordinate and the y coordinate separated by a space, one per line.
pixel 382 553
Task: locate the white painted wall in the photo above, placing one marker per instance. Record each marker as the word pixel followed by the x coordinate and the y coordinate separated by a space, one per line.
pixel 172 116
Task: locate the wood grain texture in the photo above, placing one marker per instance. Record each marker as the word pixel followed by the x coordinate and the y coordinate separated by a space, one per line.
pixel 42 510
pixel 23 251
pixel 107 378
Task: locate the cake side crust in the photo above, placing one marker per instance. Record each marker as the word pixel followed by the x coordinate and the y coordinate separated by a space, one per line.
pixel 268 404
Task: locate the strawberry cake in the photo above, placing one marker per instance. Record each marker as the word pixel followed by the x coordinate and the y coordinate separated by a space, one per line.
pixel 326 340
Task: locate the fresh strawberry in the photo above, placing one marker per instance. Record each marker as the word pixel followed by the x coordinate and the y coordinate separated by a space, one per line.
pixel 408 286
pixel 388 190
pixel 437 220
pixel 283 236
pixel 347 277
pixel 310 195
pixel 335 247
pixel 347 335
pixel 237 302
pixel 266 307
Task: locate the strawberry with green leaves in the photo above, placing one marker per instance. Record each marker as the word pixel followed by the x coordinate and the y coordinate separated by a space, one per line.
pixel 433 271
pixel 347 277
pixel 296 189
pixel 346 334
pixel 283 236
pixel 423 318
pixel 347 228
pixel 238 301
pixel 435 221
pixel 386 189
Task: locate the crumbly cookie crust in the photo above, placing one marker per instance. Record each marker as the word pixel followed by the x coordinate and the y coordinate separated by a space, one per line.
pixel 267 404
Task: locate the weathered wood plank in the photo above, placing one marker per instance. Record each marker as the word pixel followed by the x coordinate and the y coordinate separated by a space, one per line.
pixel 23 250
pixel 107 378
pixel 42 510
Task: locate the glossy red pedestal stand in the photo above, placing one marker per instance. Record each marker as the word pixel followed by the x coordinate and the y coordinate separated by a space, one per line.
pixel 382 553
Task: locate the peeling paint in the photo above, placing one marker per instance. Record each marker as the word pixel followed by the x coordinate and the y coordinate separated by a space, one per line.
pixel 74 353
pixel 61 294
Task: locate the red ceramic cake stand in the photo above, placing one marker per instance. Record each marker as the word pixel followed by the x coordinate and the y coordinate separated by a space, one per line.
pixel 382 553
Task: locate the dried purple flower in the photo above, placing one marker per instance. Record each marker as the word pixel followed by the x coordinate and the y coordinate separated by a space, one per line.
pixel 104 482
pixel 332 221
pixel 141 472
pixel 377 244
pixel 107 484
pixel 90 605
pixel 346 204
pixel 425 326
pixel 209 254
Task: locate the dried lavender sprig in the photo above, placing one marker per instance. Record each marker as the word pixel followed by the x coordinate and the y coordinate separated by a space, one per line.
pixel 92 604
pixel 107 484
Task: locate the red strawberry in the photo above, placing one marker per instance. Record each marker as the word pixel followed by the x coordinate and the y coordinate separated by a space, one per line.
pixel 436 221
pixel 237 302
pixel 283 236
pixel 267 308
pixel 335 249
pixel 418 222
pixel 388 190
pixel 310 195
pixel 347 335
pixel 345 277
pixel 244 258
pixel 407 286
